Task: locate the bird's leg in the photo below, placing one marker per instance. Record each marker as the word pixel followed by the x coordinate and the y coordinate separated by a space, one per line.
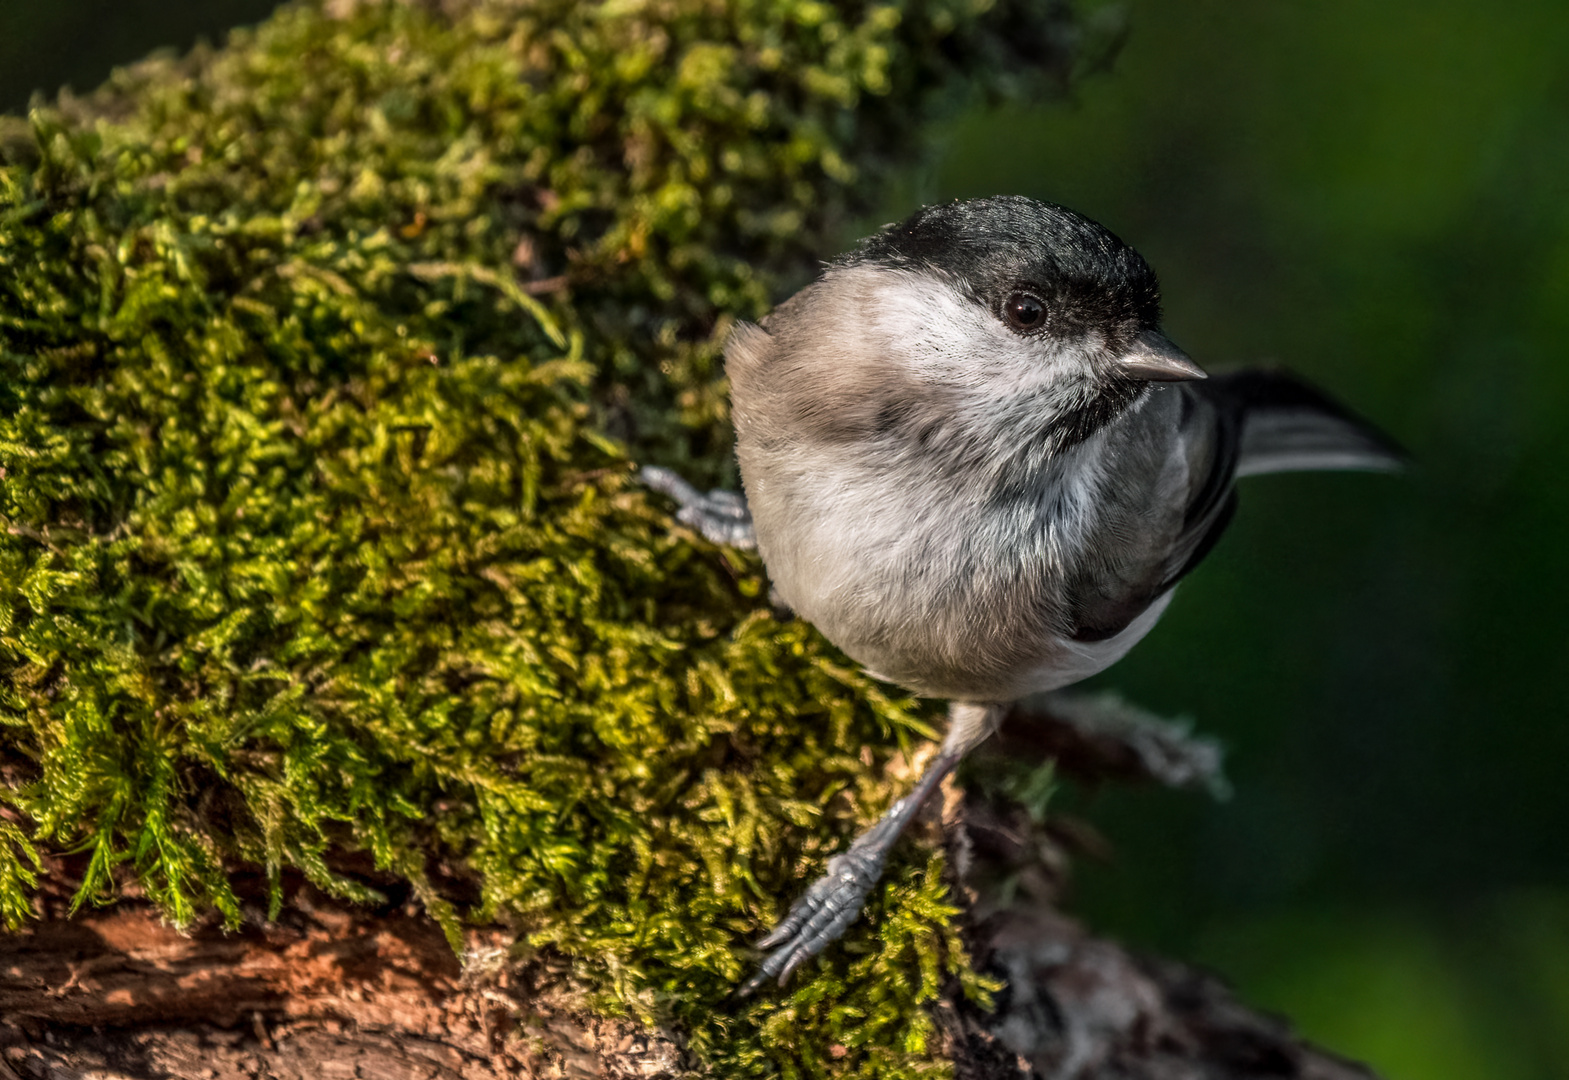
pixel 834 900
pixel 721 516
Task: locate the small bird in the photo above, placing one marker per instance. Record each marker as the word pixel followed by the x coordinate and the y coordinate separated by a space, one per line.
pixel 974 461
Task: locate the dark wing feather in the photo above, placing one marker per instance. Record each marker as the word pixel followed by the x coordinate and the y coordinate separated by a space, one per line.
pixel 1161 509
pixel 1291 426
pixel 1210 434
pixel 1159 525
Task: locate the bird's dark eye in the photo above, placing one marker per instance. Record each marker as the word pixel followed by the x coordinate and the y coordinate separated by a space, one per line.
pixel 1024 311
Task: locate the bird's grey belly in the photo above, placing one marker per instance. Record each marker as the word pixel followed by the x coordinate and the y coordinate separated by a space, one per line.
pixel 929 609
pixel 946 662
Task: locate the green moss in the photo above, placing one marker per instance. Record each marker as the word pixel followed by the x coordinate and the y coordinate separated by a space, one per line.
pixel 326 358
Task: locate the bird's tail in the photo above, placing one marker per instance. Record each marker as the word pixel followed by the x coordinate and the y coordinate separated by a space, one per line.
pixel 1289 426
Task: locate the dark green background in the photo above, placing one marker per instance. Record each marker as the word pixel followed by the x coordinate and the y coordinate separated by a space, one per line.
pixel 1376 194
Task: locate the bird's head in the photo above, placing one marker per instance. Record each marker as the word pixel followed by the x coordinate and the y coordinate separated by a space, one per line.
pixel 963 323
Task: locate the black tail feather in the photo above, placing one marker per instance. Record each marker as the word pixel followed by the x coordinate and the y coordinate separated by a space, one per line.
pixel 1290 426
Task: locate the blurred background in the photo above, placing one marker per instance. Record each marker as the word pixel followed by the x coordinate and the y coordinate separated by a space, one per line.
pixel 1376 194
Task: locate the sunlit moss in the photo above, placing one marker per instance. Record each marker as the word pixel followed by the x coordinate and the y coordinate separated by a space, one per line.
pixel 326 357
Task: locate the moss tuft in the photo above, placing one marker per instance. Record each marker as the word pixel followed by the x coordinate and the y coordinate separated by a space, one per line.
pixel 324 359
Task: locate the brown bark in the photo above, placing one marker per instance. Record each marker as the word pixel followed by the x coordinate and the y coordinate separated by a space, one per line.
pixel 337 991
pixel 121 995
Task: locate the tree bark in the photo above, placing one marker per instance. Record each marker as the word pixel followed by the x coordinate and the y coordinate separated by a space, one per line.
pixel 332 990
pixel 121 994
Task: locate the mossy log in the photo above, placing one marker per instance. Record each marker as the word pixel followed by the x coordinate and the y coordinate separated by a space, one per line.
pixel 348 989
pixel 329 610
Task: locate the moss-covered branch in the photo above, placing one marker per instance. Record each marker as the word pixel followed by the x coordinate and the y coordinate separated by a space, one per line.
pixel 324 358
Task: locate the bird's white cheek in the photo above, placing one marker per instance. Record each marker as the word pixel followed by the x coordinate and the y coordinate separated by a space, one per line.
pixel 944 339
pixel 933 335
pixel 1028 367
pixel 960 344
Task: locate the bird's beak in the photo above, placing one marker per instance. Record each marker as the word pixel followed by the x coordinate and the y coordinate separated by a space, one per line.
pixel 1154 358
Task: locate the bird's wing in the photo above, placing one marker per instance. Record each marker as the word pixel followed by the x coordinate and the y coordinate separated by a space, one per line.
pixel 1165 501
pixel 1209 437
pixel 1173 494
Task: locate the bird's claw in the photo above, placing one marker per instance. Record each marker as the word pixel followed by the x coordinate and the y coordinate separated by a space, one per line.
pixel 819 918
pixel 721 516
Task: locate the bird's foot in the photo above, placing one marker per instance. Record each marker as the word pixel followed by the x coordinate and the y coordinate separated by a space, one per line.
pixel 721 516
pixel 836 898
pixel 820 917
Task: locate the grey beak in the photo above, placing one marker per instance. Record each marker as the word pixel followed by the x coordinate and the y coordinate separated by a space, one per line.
pixel 1154 358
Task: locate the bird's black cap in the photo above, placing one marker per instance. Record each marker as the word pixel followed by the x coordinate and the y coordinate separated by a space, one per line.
pixel 992 247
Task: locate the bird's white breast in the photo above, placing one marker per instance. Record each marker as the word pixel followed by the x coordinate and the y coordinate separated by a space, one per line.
pixel 896 545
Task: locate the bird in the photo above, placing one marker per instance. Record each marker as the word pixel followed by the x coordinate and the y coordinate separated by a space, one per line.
pixel 973 459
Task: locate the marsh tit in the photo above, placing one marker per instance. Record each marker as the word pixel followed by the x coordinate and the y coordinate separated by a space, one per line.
pixel 973 460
